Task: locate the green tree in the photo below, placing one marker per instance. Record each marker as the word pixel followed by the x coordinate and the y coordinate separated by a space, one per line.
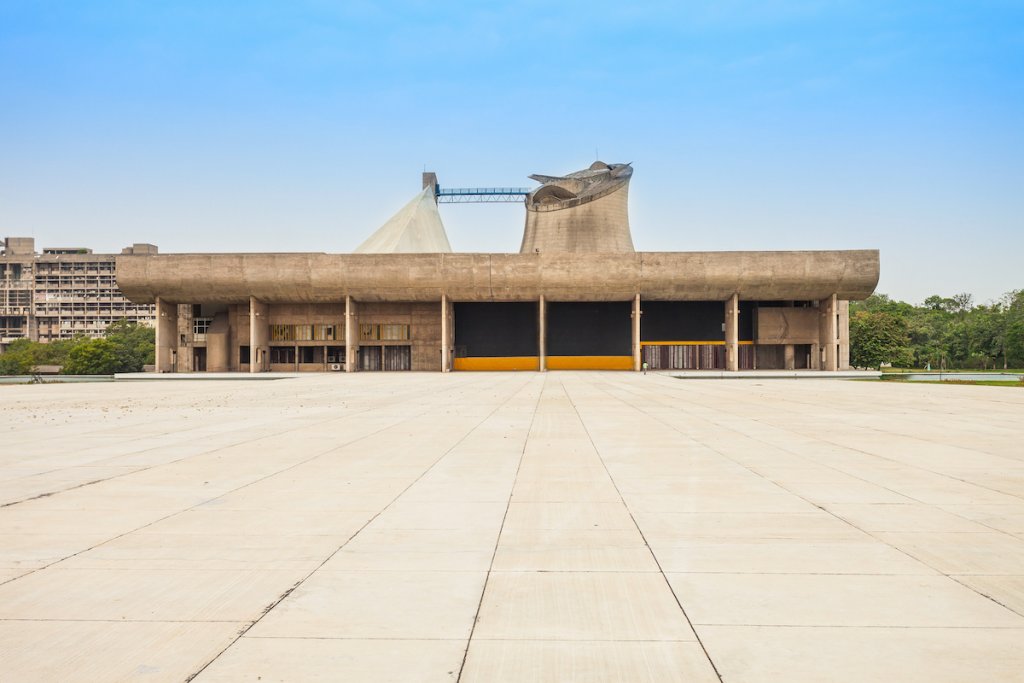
pixel 19 358
pixel 953 331
pixel 56 352
pixel 127 347
pixel 1013 328
pixel 878 337
pixel 137 344
pixel 93 357
pixel 882 302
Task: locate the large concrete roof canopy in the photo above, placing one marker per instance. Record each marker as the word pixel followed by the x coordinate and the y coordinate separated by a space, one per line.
pixel 326 278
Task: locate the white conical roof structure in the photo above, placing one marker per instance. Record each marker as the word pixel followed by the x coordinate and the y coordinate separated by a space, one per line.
pixel 415 229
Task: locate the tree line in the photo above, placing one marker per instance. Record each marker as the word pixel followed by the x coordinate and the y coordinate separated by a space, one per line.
pixel 125 347
pixel 943 332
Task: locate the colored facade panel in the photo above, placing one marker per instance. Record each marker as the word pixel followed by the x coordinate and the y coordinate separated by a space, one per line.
pixel 590 362
pixel 498 363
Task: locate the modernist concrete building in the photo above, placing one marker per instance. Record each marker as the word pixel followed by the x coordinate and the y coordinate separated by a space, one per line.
pixel 577 297
pixel 62 292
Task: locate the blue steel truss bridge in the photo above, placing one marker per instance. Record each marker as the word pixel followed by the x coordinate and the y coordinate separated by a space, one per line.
pixel 479 195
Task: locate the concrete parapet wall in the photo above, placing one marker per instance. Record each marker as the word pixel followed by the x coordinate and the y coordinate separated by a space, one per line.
pixel 329 278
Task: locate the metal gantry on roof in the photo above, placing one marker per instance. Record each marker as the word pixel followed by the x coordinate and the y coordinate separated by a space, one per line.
pixel 467 195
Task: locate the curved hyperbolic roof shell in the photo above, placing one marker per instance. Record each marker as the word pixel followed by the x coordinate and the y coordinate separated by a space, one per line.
pixel 581 212
pixel 573 189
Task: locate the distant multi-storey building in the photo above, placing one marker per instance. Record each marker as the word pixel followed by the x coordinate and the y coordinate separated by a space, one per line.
pixel 62 292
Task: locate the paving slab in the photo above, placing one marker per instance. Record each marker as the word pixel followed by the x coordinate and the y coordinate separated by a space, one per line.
pixel 564 526
pixel 595 549
pixel 765 654
pixel 914 517
pixel 378 604
pixel 834 600
pixel 416 549
pixel 784 556
pixel 332 659
pixel 144 594
pixel 529 661
pixel 1005 590
pixel 90 651
pixel 580 606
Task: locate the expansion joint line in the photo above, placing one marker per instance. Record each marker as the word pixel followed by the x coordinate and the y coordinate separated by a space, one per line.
pixel 811 502
pixel 234 490
pixel 501 529
pixel 183 433
pixel 640 531
pixel 868 426
pixel 169 462
pixel 337 550
pixel 176 512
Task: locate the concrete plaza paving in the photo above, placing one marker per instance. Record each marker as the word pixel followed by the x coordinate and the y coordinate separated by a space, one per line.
pixel 511 527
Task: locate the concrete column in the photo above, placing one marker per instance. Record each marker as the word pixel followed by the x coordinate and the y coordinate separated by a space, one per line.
pixel 844 335
pixel 186 342
pixel 259 335
pixel 166 335
pixel 790 357
pixel 637 360
pixel 542 336
pixel 828 332
pixel 350 335
pixel 732 333
pixel 446 342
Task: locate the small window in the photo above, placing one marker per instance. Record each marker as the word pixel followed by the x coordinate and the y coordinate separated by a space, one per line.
pixel 282 354
pixel 200 326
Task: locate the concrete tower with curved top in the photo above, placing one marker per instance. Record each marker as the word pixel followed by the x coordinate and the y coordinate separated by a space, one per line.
pixel 582 212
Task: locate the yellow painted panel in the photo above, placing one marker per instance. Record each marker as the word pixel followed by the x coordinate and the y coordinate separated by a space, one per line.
pixel 590 362
pixel 500 363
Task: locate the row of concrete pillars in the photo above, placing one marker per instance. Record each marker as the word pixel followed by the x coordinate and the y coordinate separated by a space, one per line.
pixel 259 335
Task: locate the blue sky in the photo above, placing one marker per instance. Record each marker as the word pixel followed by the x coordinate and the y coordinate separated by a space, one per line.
pixel 303 125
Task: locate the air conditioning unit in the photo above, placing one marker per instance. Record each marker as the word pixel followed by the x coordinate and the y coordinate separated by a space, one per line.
pixel 335 367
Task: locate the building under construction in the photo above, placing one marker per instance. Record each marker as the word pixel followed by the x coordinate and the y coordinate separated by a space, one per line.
pixel 577 296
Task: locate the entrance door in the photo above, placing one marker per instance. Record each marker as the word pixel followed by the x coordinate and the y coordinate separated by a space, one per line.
pixel 199 359
pixel 369 358
pixel 398 358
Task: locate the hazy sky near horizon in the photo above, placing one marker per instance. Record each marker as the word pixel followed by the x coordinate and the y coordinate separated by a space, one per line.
pixel 303 125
